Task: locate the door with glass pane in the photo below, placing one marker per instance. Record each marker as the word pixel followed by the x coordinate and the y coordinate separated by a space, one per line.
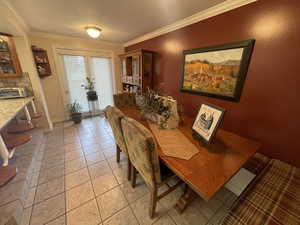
pixel 77 68
pixel 101 71
pixel 75 76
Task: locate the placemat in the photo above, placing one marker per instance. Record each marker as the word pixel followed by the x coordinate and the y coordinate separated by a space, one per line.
pixel 173 142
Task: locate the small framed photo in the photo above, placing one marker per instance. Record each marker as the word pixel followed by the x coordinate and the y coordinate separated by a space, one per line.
pixel 207 122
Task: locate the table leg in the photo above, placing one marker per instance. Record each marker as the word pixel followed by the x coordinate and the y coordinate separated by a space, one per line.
pixel 4 152
pixel 27 114
pixel 33 107
pixel 186 199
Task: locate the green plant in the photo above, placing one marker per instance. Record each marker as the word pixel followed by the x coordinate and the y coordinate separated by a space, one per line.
pixel 90 84
pixel 75 107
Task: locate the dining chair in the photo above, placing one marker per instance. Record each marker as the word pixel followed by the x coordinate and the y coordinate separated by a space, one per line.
pixel 142 150
pixel 124 99
pixel 114 116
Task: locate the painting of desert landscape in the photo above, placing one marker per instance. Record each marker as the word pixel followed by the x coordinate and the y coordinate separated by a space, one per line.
pixel 213 72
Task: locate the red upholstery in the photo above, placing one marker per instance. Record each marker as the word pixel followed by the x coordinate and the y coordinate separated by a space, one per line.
pixel 13 141
pixel 19 128
pixel 33 116
pixel 7 173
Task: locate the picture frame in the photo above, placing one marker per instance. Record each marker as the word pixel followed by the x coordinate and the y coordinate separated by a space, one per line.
pixel 217 71
pixel 207 122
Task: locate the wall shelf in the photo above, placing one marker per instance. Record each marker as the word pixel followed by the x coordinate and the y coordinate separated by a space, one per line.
pixel 41 61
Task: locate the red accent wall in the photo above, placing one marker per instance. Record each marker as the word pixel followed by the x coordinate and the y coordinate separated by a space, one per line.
pixel 269 109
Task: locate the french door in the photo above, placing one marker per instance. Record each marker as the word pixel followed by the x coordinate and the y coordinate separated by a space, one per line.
pixel 76 66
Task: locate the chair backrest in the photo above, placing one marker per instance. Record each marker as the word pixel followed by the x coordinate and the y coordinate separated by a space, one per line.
pixel 114 116
pixel 142 150
pixel 124 100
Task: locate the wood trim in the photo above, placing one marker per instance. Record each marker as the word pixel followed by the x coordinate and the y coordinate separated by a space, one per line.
pixel 14 57
pixel 202 15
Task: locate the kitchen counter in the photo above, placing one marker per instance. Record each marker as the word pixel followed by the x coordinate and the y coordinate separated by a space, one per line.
pixel 9 108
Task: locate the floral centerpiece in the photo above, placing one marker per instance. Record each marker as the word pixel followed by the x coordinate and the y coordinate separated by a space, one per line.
pixel 159 109
pixel 90 86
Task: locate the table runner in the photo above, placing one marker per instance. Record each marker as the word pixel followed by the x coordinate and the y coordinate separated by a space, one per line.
pixel 173 142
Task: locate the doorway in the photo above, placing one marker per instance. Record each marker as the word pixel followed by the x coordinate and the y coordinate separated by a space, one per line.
pixel 76 67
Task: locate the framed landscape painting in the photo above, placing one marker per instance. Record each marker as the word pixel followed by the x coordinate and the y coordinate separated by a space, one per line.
pixel 217 71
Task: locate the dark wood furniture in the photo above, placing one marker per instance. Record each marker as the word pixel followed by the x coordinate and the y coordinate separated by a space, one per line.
pixel 41 61
pixel 9 62
pixel 137 70
pixel 215 164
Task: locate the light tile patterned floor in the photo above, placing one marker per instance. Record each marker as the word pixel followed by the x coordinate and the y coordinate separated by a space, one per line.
pixel 80 183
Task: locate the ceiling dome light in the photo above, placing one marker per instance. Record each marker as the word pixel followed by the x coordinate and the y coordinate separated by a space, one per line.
pixel 94 32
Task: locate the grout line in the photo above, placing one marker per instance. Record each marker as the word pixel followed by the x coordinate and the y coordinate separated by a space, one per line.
pixel 64 177
pixel 129 204
pixel 90 180
pixel 95 197
pixel 36 187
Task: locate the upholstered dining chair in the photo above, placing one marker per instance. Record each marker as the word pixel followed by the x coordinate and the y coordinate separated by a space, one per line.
pixel 114 116
pixel 125 99
pixel 144 159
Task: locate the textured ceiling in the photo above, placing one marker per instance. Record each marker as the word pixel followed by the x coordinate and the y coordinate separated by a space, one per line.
pixel 120 20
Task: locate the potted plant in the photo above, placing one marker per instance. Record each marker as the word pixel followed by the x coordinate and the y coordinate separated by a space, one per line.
pixel 75 112
pixel 91 94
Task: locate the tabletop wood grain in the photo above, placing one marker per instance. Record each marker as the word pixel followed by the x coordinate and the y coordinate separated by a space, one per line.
pixel 214 165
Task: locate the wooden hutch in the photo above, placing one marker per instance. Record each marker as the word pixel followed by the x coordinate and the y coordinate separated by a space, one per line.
pixel 9 62
pixel 137 70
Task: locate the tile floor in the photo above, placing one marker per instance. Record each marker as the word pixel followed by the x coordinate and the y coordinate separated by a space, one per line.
pixel 80 183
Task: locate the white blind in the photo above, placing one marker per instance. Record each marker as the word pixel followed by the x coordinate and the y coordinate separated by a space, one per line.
pixel 76 76
pixel 101 68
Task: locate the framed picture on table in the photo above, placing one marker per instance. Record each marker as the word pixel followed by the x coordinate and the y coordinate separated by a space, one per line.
pixel 207 122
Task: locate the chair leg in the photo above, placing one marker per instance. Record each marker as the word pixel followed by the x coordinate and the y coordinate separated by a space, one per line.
pixel 128 169
pixel 118 154
pixel 133 176
pixel 153 202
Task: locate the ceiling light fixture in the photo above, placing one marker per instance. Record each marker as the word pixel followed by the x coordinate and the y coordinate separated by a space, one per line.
pixel 94 32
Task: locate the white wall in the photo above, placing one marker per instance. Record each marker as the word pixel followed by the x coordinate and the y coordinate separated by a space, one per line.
pixel 52 84
pixel 19 29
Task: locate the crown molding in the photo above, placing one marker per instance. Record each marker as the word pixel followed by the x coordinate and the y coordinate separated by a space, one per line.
pixel 59 36
pixel 202 15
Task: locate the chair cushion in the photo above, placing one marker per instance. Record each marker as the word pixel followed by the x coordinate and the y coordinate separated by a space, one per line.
pixel 7 173
pixel 124 100
pixel 273 198
pixel 33 116
pixel 114 116
pixel 13 141
pixel 142 150
pixel 19 128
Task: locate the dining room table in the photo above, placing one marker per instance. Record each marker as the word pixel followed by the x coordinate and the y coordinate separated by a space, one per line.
pixel 214 164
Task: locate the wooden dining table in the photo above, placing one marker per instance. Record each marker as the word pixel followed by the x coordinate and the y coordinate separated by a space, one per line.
pixel 212 167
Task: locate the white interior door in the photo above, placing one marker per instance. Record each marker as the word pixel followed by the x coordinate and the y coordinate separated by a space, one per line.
pixel 101 71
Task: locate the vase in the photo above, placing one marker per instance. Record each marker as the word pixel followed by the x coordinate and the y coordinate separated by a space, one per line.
pixel 92 96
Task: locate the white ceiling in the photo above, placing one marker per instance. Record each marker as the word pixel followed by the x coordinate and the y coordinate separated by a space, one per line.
pixel 121 20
